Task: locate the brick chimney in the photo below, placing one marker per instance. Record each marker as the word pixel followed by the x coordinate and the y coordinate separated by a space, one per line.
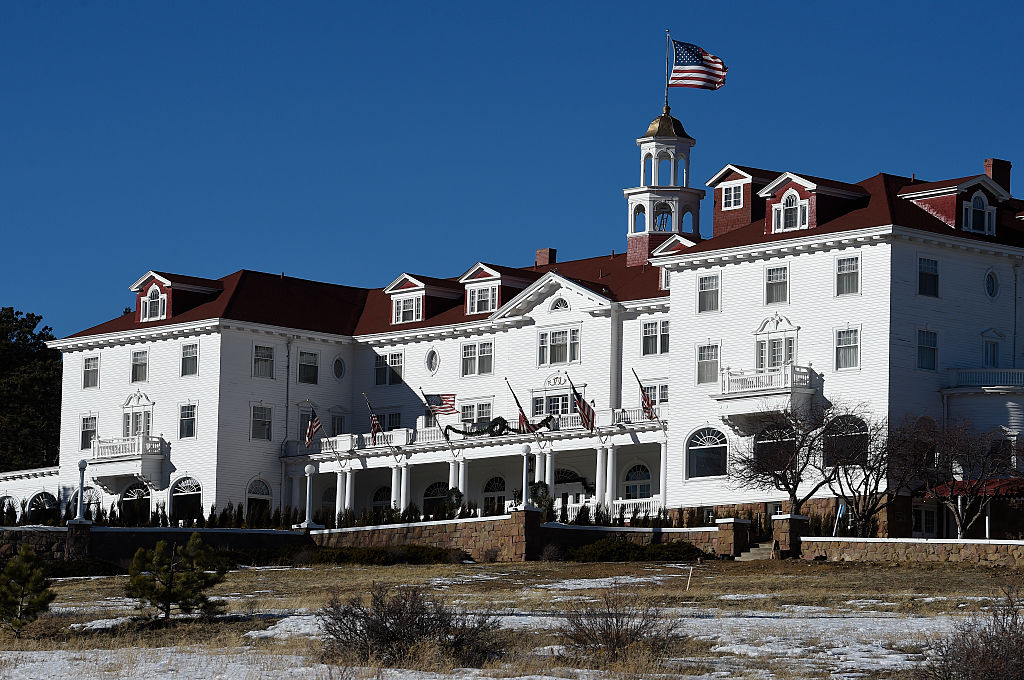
pixel 999 171
pixel 548 256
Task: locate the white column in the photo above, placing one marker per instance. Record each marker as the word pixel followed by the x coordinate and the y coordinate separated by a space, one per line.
pixel 463 478
pixel 664 475
pixel 350 479
pixel 599 475
pixel 339 493
pixel 453 474
pixel 296 491
pixel 538 466
pixel 526 474
pixel 310 471
pixel 612 479
pixel 396 487
pixel 549 471
pixel 404 498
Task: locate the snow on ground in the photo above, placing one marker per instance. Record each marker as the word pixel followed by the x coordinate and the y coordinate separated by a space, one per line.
pixel 606 582
pixel 101 624
pixel 289 626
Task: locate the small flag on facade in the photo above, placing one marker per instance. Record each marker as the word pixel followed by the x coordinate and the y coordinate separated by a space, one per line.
pixel 586 411
pixel 441 404
pixel 693 67
pixel 313 427
pixel 524 422
pixel 375 428
pixel 645 400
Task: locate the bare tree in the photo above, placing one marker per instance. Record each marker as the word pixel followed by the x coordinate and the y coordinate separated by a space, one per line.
pixel 956 465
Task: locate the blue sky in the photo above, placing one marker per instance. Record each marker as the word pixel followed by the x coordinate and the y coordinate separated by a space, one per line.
pixel 348 142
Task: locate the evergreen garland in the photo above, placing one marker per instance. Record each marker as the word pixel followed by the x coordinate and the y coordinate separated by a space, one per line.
pixel 498 427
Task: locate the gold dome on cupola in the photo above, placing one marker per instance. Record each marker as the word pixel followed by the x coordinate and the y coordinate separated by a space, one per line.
pixel 666 126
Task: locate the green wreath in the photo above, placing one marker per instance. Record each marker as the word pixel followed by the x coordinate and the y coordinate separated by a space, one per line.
pixel 499 427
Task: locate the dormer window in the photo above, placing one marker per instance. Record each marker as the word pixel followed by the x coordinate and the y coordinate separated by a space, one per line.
pixel 406 309
pixel 482 299
pixel 732 197
pixel 154 305
pixel 979 216
pixel 790 214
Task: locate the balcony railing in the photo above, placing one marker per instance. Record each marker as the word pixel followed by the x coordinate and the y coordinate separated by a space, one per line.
pixel 778 379
pixel 126 446
pixel 986 377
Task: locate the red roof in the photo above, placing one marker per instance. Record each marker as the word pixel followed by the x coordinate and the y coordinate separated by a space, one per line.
pixel 914 187
pixel 994 487
pixel 190 280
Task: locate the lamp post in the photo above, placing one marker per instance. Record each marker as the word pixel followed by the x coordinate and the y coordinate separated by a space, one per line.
pixel 80 519
pixel 310 470
pixel 526 475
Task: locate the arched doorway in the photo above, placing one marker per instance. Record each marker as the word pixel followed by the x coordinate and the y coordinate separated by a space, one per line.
pixel 42 509
pixel 257 499
pixel 494 496
pixel 135 505
pixel 434 498
pixel 91 507
pixel 186 501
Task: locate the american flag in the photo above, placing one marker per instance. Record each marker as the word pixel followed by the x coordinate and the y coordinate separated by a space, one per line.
pixel 374 428
pixel 647 404
pixel 693 67
pixel 441 404
pixel 586 411
pixel 313 427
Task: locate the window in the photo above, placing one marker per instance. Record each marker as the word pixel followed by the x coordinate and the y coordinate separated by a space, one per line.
pixel 776 289
pixel 774 352
pixel 154 305
pixel 187 421
pixel 337 425
pixel 137 422
pixel 658 394
pixel 189 359
pixel 559 304
pixel 435 498
pixel 339 368
pixel 408 309
pixel 380 370
pixel 90 372
pixel 475 415
pixel 560 346
pixel 655 337
pixel 707 364
pixel 847 348
pixel 478 358
pixel 553 404
pixel 790 214
pixel 662 217
pixel 88 431
pixel 847 276
pixel 707 293
pixel 638 482
pixel 666 278
pixel 261 421
pixel 706 453
pixel 927 350
pixel 387 369
pixel 394 421
pixel 482 299
pixel 927 277
pixel 309 369
pixel 991 285
pixel 140 365
pixel 991 359
pixel 732 197
pixel 494 496
pixel 263 361
pixel 432 361
pixel 978 216
pixel 845 442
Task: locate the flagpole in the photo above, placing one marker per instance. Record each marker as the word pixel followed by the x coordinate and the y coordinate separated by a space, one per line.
pixel 668 53
pixel 529 425
pixel 661 423
pixel 437 422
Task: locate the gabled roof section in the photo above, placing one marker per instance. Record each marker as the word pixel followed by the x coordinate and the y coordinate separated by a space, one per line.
pixel 745 170
pixel 952 186
pixel 411 282
pixel 538 289
pixel 479 272
pixel 178 281
pixel 676 243
pixel 820 185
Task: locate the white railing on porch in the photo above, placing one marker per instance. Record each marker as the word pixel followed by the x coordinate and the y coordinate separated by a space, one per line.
pixel 986 377
pixel 650 506
pixel 126 446
pixel 633 415
pixel 780 378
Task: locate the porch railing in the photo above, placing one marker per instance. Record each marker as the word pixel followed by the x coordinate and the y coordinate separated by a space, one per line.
pixel 986 377
pixel 771 379
pixel 649 506
pixel 126 446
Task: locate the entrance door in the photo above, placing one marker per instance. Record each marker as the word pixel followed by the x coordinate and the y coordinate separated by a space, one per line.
pixel 924 523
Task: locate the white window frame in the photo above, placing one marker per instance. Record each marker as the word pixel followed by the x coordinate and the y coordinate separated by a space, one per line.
pixel 398 310
pixel 656 391
pixel 836 273
pixel 717 276
pixel 97 369
pixel 272 359
pixel 918 346
pixel 473 298
pixel 299 365
pixel 697 362
pixel 835 347
pixel 195 418
pixel 181 367
pixel 388 362
pixel 476 355
pixel 475 405
pixel 789 284
pixel 337 424
pixel 662 336
pixel 938 275
pixel 269 420
pixel 988 212
pixel 426 360
pixel 801 206
pixel 131 374
pixel 544 340
pixel 984 284
pixel 146 312
pixel 95 417
pixel 732 195
pixel 666 279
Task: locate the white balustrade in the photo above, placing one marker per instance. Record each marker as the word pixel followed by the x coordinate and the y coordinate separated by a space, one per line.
pixel 780 378
pixel 126 446
pixel 986 377
pixel 648 506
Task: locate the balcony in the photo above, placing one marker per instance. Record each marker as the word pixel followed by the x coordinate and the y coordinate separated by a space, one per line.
pixel 996 379
pixel 744 392
pixel 140 457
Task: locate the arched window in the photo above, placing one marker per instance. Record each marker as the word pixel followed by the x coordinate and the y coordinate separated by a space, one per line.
pixel 381 498
pixel 686 223
pixel 90 509
pixel 775 448
pixel 647 177
pixel 979 216
pixel 494 496
pixel 559 304
pixel 662 217
pixel 638 482
pixel 135 505
pixel 186 500
pixel 570 487
pixel 434 498
pixel 791 213
pixel 639 220
pixel 664 171
pixel 707 452
pixel 257 498
pixel 154 306
pixel 845 442
pixel 42 508
pixel 681 178
pixel 432 361
pixel 789 210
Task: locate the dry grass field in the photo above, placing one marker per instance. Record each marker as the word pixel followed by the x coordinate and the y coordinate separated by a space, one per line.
pixel 753 620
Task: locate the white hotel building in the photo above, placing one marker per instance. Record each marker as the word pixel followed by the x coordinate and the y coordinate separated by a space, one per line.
pixel 891 292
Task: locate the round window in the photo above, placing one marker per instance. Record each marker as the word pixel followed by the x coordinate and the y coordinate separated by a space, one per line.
pixel 433 360
pixel 991 284
pixel 339 368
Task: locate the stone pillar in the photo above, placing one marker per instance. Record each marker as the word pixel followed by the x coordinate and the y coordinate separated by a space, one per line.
pixel 453 474
pixel 76 545
pixel 612 477
pixel 350 479
pixel 396 487
pixel 733 536
pixel 787 530
pixel 524 534
pixel 663 479
pixel 339 493
pixel 599 475
pixel 549 471
pixel 464 479
pixel 404 498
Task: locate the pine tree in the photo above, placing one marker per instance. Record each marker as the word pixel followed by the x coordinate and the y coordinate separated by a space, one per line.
pixel 24 590
pixel 169 576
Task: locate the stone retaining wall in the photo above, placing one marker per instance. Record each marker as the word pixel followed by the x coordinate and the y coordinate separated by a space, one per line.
pixel 569 536
pixel 991 553
pixel 47 542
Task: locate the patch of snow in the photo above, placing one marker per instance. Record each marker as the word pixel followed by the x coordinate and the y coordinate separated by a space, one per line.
pixel 101 624
pixel 288 627
pixel 745 596
pixel 606 582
